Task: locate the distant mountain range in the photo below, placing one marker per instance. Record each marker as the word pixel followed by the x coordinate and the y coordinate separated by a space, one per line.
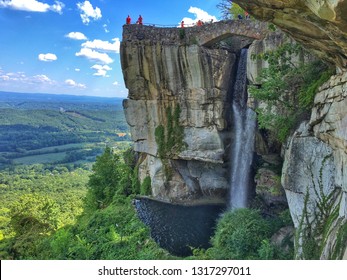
pixel 44 97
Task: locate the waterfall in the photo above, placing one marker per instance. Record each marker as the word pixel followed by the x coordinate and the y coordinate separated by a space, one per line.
pixel 241 154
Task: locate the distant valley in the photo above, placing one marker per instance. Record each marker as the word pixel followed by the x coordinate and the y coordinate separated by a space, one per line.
pixel 59 129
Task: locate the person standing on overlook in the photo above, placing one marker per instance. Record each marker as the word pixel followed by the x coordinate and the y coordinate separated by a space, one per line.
pixel 139 20
pixel 128 20
pixel 182 24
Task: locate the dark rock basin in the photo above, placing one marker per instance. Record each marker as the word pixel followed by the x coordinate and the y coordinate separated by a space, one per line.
pixel 179 228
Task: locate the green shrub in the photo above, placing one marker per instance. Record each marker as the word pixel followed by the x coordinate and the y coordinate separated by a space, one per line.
pixel 266 250
pixel 316 75
pixel 146 186
pixel 114 232
pixel 239 235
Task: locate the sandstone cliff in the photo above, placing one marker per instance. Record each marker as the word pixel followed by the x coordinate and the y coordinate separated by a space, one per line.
pixel 320 25
pixel 162 75
pixel 171 70
pixel 315 163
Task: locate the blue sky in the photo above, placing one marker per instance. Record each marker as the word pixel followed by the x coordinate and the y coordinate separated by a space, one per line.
pixel 72 47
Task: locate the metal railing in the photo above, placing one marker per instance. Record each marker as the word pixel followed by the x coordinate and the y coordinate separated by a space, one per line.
pixel 177 25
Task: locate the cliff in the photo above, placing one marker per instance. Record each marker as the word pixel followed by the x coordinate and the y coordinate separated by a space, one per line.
pixel 186 71
pixel 319 25
pixel 314 174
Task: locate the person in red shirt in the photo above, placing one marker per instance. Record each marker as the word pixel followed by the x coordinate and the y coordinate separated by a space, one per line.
pixel 139 20
pixel 199 22
pixel 182 24
pixel 128 20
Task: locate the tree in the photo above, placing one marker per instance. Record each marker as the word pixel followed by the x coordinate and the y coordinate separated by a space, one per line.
pixel 229 9
pixel 113 174
pixel 33 218
pixel 106 174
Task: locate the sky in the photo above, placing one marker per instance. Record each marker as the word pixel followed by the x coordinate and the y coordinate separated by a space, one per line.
pixel 72 47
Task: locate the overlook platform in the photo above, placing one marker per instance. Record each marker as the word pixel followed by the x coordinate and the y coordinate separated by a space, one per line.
pixel 205 35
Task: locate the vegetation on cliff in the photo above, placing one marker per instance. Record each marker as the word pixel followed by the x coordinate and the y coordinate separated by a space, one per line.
pixel 287 88
pixel 169 138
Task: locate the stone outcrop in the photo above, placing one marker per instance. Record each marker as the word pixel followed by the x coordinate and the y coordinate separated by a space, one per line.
pixel 329 122
pixel 161 76
pixel 315 162
pixel 314 173
pixel 319 25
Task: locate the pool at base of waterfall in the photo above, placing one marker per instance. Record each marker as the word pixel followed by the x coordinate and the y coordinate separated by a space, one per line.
pixel 179 228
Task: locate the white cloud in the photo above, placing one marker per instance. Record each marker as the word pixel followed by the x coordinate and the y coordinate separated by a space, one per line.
pixel 115 83
pixel 32 6
pixel 42 79
pixel 106 28
pixel 72 83
pixel 48 57
pixel 5 78
pixel 58 7
pixel 21 78
pixel 199 15
pixel 95 56
pixel 76 36
pixel 88 12
pixel 19 81
pixel 77 69
pixel 101 70
pixel 103 45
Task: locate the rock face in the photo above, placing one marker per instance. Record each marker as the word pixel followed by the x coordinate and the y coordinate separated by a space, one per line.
pixel 162 76
pixel 329 122
pixel 314 172
pixel 320 25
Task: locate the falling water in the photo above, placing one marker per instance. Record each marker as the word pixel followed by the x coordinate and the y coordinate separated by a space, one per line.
pixel 244 121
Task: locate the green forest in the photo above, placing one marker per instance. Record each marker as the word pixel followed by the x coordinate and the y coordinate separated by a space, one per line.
pixel 61 214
